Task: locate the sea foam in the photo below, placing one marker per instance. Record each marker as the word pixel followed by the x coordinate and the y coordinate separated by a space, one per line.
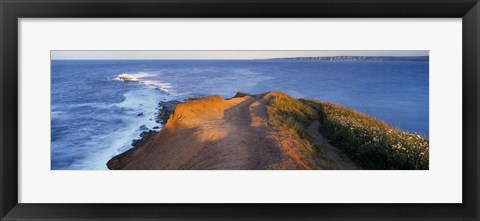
pixel 145 78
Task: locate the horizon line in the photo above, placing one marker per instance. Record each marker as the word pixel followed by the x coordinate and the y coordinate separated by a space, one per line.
pixel 226 59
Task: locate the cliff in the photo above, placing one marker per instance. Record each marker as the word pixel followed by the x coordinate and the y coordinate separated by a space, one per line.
pixel 244 132
pixel 273 131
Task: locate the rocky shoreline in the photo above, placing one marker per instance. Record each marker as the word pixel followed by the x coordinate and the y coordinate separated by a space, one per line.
pixel 165 109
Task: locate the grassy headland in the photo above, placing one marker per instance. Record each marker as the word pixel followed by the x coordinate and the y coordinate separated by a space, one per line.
pixel 292 118
pixel 369 142
pixel 273 131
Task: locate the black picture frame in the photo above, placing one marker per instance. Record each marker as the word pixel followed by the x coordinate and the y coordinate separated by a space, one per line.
pixel 12 10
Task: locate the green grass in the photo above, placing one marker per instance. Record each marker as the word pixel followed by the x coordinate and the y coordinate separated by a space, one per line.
pixel 290 114
pixel 369 142
pixel 294 117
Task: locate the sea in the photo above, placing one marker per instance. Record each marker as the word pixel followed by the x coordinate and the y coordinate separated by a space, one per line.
pixel 99 106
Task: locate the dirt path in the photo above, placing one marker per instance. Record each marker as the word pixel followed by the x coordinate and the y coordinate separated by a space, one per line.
pixel 243 142
pixel 231 134
pixel 341 161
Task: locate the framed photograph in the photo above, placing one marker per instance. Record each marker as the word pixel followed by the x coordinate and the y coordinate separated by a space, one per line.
pixel 325 110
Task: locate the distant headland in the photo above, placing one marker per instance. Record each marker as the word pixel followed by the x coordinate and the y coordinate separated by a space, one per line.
pixel 357 58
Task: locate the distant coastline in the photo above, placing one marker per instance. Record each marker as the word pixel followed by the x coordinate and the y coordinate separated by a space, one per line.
pixel 357 58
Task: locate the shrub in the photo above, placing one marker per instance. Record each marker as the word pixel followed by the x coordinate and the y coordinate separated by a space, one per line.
pixel 370 142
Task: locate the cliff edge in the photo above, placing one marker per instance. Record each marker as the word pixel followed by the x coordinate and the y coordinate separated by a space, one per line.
pixel 243 132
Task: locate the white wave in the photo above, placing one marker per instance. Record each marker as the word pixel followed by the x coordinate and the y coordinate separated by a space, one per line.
pixel 140 108
pixel 56 114
pixel 139 78
pixel 128 77
pixel 156 84
pixel 91 104
pixel 139 99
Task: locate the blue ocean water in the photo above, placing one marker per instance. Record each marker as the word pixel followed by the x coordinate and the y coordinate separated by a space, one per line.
pixel 95 115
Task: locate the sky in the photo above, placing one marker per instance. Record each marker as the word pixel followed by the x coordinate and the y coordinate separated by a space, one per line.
pixel 222 55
